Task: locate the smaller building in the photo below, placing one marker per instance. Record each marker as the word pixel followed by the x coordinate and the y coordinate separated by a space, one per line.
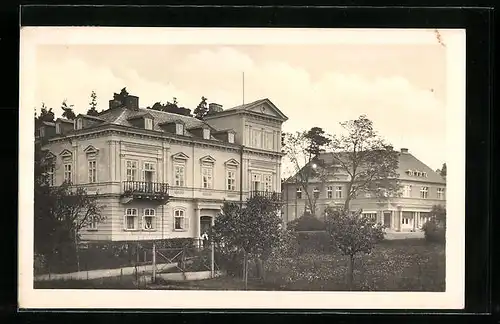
pixel 421 189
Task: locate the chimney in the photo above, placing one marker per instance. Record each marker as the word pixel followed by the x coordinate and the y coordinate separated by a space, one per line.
pixel 214 108
pixel 132 102
pixel 404 150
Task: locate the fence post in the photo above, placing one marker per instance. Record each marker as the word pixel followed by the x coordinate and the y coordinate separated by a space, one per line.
pixel 154 263
pixel 212 261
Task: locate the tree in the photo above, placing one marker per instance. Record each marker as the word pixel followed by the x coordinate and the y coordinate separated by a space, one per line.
pixel 201 110
pixel 435 227
pixel 46 115
pixel 93 105
pixel 253 229
pixel 60 212
pixel 67 111
pixel 352 234
pixel 370 163
pixel 442 172
pixel 303 150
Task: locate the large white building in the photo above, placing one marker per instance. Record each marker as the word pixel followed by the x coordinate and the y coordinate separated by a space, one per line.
pixel 165 175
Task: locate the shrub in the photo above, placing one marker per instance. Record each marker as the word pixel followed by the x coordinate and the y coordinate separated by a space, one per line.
pixel 307 222
pixel 310 242
pixel 435 231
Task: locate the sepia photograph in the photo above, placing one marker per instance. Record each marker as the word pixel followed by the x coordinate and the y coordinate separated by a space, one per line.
pixel 225 168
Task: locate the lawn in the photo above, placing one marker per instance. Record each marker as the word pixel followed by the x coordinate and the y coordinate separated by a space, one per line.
pixel 401 265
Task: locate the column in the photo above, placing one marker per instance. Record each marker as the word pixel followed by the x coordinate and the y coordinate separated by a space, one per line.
pixel 165 164
pixel 75 172
pixel 400 219
pixel 112 161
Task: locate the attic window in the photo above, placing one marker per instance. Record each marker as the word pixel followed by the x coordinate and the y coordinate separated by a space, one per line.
pixel 148 123
pixel 79 123
pixel 206 133
pixel 179 129
pixel 230 137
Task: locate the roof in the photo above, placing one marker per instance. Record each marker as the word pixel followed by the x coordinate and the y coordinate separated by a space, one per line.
pixel 248 106
pixel 121 116
pixel 407 161
pixel 64 120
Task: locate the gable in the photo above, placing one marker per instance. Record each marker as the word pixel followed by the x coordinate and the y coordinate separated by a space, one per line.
pixel 91 150
pixel 66 153
pixel 180 156
pixel 266 107
pixel 207 159
pixel 231 162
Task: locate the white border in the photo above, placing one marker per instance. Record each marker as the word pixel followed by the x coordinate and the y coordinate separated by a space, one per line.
pixel 453 298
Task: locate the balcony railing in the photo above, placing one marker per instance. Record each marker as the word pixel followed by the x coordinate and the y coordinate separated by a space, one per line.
pixel 152 190
pixel 272 195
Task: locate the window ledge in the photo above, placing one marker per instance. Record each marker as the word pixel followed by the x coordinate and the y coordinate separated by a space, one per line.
pixel 92 230
pixel 149 230
pixel 130 230
pixel 180 230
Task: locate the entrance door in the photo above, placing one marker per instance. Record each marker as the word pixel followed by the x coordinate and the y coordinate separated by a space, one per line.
pixel 205 224
pixel 407 221
pixel 256 182
pixel 387 219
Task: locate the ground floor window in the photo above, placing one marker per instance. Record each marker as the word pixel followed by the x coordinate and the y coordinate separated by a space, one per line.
pixel 131 219
pixel 371 216
pixel 181 222
pixel 148 219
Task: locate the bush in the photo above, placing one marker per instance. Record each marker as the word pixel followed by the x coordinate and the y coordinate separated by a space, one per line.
pixel 310 242
pixel 230 261
pixel 307 222
pixel 435 231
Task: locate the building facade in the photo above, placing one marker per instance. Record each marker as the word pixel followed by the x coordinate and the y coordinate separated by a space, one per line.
pixel 162 175
pixel 421 189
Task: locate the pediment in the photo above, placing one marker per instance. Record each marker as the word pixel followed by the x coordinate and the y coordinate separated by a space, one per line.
pixel 180 156
pixel 91 150
pixel 66 153
pixel 266 107
pixel 207 159
pixel 232 162
pixel 49 156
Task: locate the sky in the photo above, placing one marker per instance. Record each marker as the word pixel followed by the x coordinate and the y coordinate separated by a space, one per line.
pixel 400 87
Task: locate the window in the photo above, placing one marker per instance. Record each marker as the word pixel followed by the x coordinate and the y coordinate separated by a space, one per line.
pixel 149 171
pixel 440 193
pixel 268 183
pixel 231 180
pixel 42 131
pixel 58 128
pixel 424 192
pixel 407 191
pixel 179 175
pixel 371 216
pixel 131 170
pixel 256 182
pixel 68 172
pixel 92 225
pixel 148 219
pixel 148 123
pixel 405 220
pixel 179 129
pixel 130 218
pixel 316 192
pixel 50 174
pixel 338 192
pixel 181 222
pixel 230 137
pixel 256 138
pixel 299 193
pixel 329 192
pixel 79 123
pixel 207 177
pixel 268 140
pixel 206 133
pixel 92 171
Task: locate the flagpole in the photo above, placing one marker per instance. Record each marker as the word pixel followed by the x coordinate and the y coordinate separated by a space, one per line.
pixel 243 87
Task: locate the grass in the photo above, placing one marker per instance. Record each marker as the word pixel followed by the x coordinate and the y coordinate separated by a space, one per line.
pixel 400 265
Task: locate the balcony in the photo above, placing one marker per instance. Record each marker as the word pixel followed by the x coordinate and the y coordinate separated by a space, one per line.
pixel 142 190
pixel 274 196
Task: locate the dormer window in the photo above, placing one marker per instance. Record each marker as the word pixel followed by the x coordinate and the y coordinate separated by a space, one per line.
pixel 42 131
pixel 206 133
pixel 179 129
pixel 58 128
pixel 79 123
pixel 230 137
pixel 148 123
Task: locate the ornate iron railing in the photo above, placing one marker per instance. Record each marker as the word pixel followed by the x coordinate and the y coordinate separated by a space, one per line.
pixel 143 187
pixel 276 196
